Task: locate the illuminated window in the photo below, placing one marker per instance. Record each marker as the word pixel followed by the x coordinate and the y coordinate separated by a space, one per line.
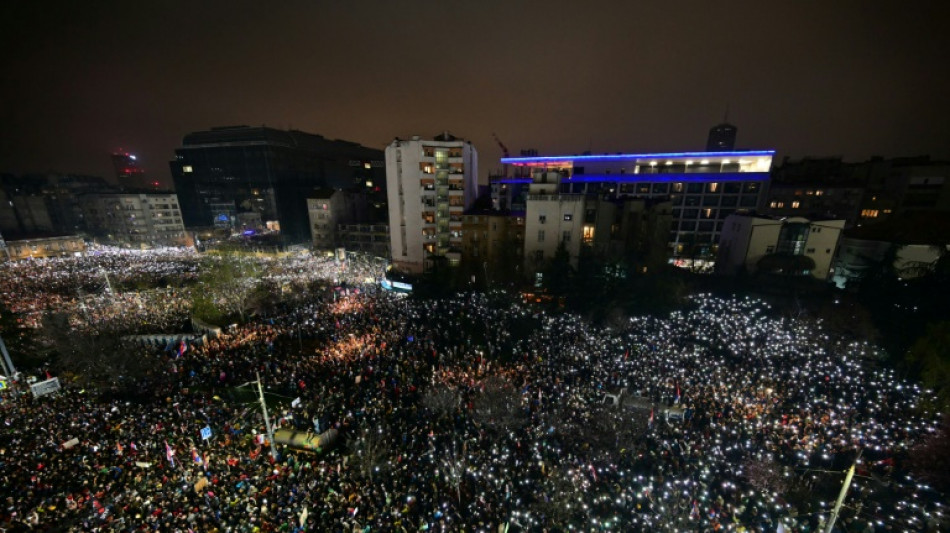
pixel 369 183
pixel 869 213
pixel 712 187
pixel 187 169
pixel 677 187
pixel 773 204
pixel 588 234
pixel 366 165
pixel 819 192
pixel 568 217
pixel 795 204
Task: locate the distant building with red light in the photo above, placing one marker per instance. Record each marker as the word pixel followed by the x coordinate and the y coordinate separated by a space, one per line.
pixel 129 174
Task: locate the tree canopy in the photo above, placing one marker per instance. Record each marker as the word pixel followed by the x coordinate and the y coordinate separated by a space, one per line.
pixel 227 287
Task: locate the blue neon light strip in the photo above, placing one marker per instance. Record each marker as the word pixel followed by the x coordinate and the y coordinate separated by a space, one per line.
pixel 655 178
pixel 622 157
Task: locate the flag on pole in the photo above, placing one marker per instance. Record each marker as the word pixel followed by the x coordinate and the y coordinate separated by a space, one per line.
pixel 677 400
pixel 169 454
pixel 195 457
pixel 182 348
pixel 651 418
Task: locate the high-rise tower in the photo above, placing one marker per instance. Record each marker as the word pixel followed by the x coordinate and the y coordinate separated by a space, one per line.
pixel 128 172
pixel 722 138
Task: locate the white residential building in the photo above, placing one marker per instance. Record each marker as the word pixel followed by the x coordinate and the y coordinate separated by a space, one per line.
pixel 552 218
pixel 430 183
pixel 746 239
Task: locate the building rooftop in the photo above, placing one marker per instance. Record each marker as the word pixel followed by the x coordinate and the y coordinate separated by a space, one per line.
pixel 635 156
pixel 929 228
pixel 260 135
pixel 322 194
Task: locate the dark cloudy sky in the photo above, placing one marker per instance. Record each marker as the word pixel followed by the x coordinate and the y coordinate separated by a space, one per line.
pixel 80 79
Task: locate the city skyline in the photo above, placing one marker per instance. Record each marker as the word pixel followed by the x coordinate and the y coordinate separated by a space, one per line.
pixel 558 77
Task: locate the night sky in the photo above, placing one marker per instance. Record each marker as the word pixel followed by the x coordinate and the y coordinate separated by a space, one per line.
pixel 804 78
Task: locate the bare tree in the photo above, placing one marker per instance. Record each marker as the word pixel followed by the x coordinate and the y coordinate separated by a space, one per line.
pixel 370 449
pixel 499 405
pixel 454 465
pixel 441 401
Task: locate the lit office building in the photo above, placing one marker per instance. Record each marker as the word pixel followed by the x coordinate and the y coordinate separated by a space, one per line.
pixel 704 188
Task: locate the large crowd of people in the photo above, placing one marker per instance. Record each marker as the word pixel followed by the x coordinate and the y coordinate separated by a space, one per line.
pixel 473 413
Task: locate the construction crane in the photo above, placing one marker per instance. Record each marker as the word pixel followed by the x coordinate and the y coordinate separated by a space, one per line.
pixel 504 153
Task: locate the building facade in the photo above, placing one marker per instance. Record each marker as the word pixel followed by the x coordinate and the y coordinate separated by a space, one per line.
pixel 862 193
pixel 430 183
pixel 900 186
pixel 44 247
pixel 493 241
pixel 553 219
pixel 703 187
pixel 136 219
pixel 912 243
pixel 327 209
pixel 629 231
pixel 46 204
pixel 815 201
pixel 747 239
pixel 223 172
pixel 370 239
